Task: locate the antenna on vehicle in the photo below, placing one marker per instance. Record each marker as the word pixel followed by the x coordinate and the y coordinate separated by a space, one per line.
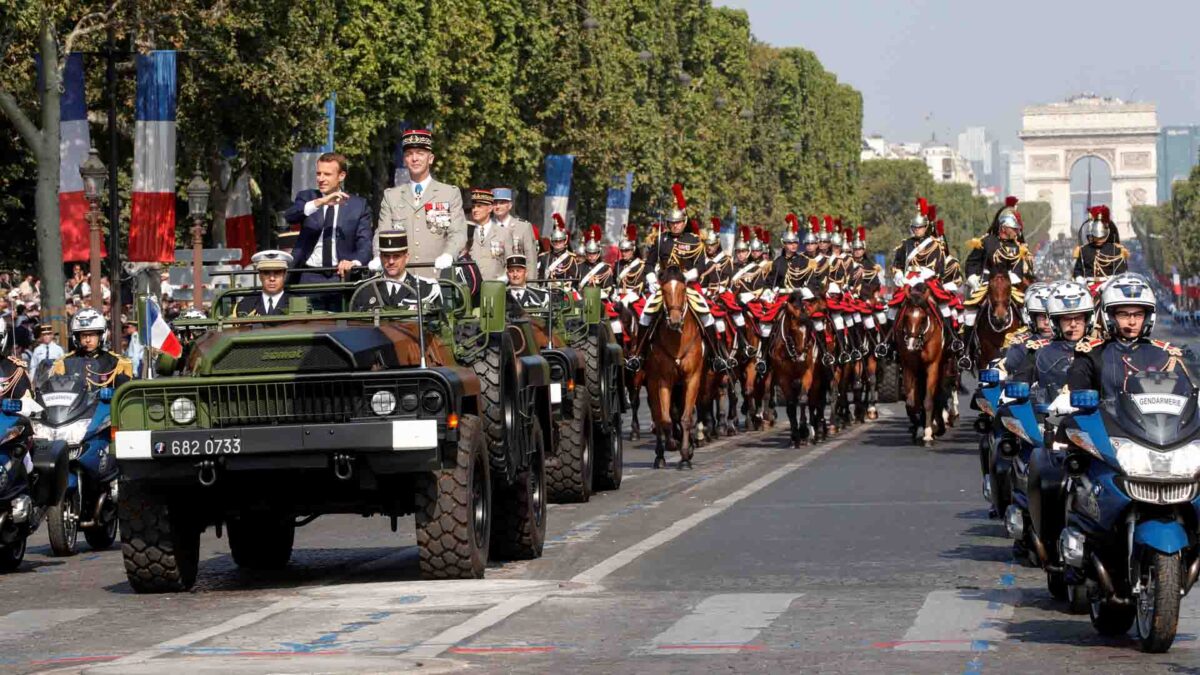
pixel 420 320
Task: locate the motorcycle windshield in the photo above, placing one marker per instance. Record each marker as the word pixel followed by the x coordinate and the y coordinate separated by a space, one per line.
pixel 66 397
pixel 1157 409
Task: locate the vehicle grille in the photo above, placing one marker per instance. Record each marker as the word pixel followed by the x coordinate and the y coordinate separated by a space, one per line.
pixel 308 358
pixel 1160 493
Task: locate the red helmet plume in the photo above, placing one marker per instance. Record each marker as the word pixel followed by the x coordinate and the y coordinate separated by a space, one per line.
pixel 941 228
pixel 815 222
pixel 631 232
pixel 766 236
pixel 1010 201
pixel 922 206
pixel 537 234
pixel 862 233
pixel 794 222
pixel 716 224
pixel 932 212
pixel 829 224
pixel 745 233
pixel 596 233
pixel 559 223
pixel 680 201
pixel 694 225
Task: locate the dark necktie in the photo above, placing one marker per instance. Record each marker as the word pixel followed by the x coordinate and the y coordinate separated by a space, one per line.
pixel 270 305
pixel 327 238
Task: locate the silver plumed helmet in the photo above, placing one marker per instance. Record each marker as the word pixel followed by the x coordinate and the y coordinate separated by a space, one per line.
pixel 1097 230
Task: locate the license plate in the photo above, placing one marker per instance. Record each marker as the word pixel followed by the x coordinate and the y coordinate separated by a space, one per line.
pixel 200 444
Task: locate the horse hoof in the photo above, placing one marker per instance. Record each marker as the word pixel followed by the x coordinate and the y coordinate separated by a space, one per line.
pixel 684 465
pixel 659 463
pixel 927 444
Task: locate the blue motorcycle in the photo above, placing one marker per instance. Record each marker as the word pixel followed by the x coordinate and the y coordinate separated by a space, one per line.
pixel 994 468
pixel 33 479
pixel 76 413
pixel 1133 504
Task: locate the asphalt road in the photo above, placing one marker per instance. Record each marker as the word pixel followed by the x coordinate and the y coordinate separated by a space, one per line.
pixel 863 554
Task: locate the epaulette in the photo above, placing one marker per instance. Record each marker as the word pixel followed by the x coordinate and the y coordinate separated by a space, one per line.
pixel 1124 251
pixel 1075 254
pixel 1085 346
pixel 975 243
pixel 20 363
pixel 124 366
pixel 1015 337
pixel 1167 347
pixel 1036 343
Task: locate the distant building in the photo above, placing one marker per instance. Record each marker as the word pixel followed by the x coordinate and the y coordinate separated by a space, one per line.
pixel 876 147
pixel 1178 152
pixel 1014 181
pixel 947 166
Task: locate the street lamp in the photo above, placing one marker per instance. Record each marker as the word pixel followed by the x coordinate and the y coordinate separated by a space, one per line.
pixel 197 192
pixel 94 175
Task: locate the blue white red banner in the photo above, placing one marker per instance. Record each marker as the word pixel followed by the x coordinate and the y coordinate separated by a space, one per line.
pixel 152 222
pixel 73 147
pixel 304 163
pixel 157 333
pixel 558 188
pixel 616 213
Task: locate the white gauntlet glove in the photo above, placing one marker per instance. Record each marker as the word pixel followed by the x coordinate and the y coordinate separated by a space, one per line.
pixel 442 262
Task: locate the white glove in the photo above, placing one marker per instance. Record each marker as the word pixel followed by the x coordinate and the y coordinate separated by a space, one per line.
pixel 691 275
pixel 973 280
pixel 745 296
pixel 442 262
pixel 1061 405
pixel 375 265
pixel 652 279
pixel 768 296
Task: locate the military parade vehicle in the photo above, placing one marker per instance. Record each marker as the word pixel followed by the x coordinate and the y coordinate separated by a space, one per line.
pixel 268 422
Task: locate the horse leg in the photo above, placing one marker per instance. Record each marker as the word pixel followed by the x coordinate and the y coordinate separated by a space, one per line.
pixel 931 388
pixel 660 415
pixel 910 402
pixel 691 392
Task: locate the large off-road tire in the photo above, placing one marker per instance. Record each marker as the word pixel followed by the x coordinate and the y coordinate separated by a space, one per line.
pixel 519 526
pixel 454 510
pixel 887 381
pixel 608 450
pixel 62 524
pixel 569 473
pixel 1158 611
pixel 595 386
pixel 12 554
pixel 161 547
pixel 261 541
pixel 497 411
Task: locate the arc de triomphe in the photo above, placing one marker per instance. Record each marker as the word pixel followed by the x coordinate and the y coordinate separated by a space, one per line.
pixel 1123 135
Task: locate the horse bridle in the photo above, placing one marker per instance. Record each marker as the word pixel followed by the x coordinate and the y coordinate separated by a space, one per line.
pixel 682 312
pixel 917 340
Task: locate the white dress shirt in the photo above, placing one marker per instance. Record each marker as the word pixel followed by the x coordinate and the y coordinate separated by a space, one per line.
pixel 270 302
pixel 314 258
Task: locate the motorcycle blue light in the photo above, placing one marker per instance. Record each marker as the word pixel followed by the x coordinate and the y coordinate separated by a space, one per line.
pixel 989 376
pixel 1085 399
pixel 10 405
pixel 1017 390
pixel 106 394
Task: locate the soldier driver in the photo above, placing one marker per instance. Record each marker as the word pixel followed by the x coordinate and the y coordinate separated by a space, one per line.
pixel 525 297
pixel 396 287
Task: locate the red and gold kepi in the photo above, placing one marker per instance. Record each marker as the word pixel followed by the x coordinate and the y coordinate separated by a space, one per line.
pixel 417 138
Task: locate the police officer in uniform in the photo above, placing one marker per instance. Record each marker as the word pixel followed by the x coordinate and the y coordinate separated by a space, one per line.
pixel 1037 327
pixel 520 295
pixel 596 272
pixel 14 373
pixel 430 212
pixel 1104 256
pixel 102 368
pixel 559 262
pixel 272 269
pixel 396 287
pixel 1127 307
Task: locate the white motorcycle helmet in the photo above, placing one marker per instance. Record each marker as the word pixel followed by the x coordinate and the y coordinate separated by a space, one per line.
pixel 1035 302
pixel 4 336
pixel 89 321
pixel 1069 298
pixel 1124 290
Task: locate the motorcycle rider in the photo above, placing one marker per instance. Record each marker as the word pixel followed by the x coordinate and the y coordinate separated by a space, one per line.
pixel 89 336
pixel 1031 336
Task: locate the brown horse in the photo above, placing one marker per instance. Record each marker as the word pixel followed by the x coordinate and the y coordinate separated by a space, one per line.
pixel 919 345
pixel 1000 316
pixel 871 336
pixel 793 355
pixel 752 362
pixel 634 379
pixel 675 361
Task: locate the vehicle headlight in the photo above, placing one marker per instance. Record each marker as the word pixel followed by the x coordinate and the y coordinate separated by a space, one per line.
pixel 73 433
pixel 1083 441
pixel 432 401
pixel 1138 460
pixel 183 410
pixel 383 403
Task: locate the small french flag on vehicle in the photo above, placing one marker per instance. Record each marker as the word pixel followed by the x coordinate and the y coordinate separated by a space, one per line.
pixel 160 336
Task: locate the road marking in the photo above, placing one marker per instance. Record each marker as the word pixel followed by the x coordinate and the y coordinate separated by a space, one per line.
pixel 958 621
pixel 722 624
pixel 24 622
pixel 440 643
pixel 1187 634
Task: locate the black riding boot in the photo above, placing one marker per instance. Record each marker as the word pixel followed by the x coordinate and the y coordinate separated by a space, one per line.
pixel 721 360
pixel 633 361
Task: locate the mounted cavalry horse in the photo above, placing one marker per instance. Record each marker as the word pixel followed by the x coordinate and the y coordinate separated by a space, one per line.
pixel 792 350
pixel 925 361
pixel 674 368
pixel 999 267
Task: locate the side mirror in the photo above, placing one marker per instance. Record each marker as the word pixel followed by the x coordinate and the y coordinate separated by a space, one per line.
pixel 1018 391
pixel 106 395
pixel 989 376
pixel 1086 400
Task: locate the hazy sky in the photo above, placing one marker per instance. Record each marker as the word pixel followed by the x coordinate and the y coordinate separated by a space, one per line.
pixel 971 63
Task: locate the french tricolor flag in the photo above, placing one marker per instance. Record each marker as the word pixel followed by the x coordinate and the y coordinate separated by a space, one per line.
pixel 152 224
pixel 239 218
pixel 73 147
pixel 158 333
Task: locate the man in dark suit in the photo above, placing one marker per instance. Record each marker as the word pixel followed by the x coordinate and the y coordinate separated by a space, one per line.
pixel 272 267
pixel 335 227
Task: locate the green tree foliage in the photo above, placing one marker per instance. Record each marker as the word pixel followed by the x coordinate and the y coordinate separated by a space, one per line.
pixel 889 190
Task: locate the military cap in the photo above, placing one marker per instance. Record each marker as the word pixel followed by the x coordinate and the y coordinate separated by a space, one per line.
pixel 271 260
pixel 393 241
pixel 417 138
pixel 481 196
pixel 502 194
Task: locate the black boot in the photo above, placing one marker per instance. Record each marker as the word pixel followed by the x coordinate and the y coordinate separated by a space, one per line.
pixel 633 361
pixel 721 361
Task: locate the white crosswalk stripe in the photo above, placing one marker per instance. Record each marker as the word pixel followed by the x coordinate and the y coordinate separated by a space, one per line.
pixel 21 623
pixel 961 620
pixel 722 624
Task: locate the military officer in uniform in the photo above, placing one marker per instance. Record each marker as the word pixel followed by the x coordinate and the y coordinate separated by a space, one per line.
pixel 630 270
pixel 787 268
pixel 715 278
pixel 14 373
pixel 747 277
pixel 596 272
pixel 502 201
pixel 920 249
pixel 520 295
pixel 101 368
pixel 491 239
pixel 272 269
pixel 559 262
pixel 677 246
pixel 429 211
pixel 1104 256
pixel 395 287
pixel 1002 248
pixel 758 246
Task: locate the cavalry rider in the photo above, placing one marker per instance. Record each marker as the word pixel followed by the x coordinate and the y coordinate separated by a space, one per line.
pixel 715 278
pixel 1031 336
pixel 747 277
pixel 596 272
pixel 101 368
pixel 1127 307
pixel 520 295
pixel 922 258
pixel 839 263
pixel 866 279
pixel 683 249
pixel 1104 256
pixel 395 287
pixel 630 270
pixel 787 269
pixel 825 239
pixel 758 245
pixel 1003 248
pixel 952 276
pixel 14 373
pixel 559 262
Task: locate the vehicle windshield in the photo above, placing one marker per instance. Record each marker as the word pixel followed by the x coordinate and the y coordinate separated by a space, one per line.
pixel 67 396
pixel 1156 408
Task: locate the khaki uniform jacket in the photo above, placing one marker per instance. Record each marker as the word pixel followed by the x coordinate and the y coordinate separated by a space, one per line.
pixel 436 222
pixel 490 250
pixel 523 228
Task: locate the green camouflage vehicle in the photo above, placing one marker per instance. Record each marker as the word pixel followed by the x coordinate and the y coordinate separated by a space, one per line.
pixel 268 422
pixel 589 449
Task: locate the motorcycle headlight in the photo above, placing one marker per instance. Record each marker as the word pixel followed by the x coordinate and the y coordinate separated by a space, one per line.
pixel 1083 441
pixel 73 433
pixel 1138 460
